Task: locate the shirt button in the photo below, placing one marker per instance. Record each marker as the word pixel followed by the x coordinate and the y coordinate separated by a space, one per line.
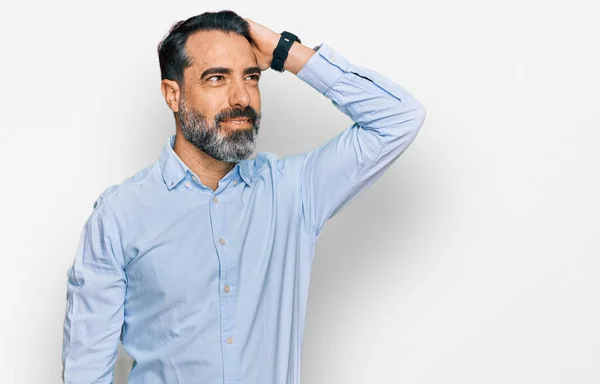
pixel 226 288
pixel 194 178
pixel 187 184
pixel 215 199
pixel 230 340
pixel 235 182
pixel 222 241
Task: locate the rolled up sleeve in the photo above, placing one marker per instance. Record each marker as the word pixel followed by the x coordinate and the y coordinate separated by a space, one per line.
pixel 95 302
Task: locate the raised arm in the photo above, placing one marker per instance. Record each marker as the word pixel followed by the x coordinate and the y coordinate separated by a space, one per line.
pixel 386 120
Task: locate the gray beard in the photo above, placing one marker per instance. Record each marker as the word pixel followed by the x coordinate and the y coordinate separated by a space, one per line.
pixel 233 147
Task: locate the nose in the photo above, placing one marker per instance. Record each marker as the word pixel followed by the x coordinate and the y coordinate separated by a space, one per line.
pixel 239 95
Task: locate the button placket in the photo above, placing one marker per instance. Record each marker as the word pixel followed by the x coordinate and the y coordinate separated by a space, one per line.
pixel 227 293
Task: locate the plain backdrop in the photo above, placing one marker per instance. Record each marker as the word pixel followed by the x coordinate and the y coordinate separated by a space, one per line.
pixel 474 259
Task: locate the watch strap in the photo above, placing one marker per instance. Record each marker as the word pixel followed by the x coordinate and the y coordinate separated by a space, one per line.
pixel 282 50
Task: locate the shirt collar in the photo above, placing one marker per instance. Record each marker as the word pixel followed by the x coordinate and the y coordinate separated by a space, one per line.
pixel 173 169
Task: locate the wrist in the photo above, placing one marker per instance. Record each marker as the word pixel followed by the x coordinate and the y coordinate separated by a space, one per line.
pixel 298 55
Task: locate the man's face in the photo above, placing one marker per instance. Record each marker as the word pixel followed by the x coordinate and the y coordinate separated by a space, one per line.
pixel 219 107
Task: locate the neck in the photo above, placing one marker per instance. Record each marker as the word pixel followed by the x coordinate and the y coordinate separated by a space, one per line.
pixel 209 170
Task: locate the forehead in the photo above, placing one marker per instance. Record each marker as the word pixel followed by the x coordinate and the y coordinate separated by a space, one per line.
pixel 217 48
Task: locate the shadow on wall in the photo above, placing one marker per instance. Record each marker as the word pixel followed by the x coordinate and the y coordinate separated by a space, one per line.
pixel 123 366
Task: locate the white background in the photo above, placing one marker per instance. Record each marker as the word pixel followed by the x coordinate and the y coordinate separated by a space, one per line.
pixel 474 259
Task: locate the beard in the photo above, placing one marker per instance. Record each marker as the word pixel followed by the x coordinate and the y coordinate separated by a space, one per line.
pixel 231 147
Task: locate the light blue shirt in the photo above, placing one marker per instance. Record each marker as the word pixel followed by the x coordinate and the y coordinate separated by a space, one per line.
pixel 211 286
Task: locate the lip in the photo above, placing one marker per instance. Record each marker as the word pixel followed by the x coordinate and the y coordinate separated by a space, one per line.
pixel 236 121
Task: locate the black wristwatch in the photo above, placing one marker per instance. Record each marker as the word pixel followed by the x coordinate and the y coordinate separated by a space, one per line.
pixel 281 51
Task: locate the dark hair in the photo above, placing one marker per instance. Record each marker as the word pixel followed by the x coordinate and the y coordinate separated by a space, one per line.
pixel 172 56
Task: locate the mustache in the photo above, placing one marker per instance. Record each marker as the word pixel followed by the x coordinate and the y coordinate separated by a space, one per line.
pixel 235 113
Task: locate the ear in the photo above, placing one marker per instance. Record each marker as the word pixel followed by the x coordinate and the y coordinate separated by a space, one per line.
pixel 171 93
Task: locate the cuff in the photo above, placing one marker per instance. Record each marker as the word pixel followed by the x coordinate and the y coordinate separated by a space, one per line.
pixel 323 69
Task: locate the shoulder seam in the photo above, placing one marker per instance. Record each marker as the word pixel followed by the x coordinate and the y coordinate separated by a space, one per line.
pixel 124 183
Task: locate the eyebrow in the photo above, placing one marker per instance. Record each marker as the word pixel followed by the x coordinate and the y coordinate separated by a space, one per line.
pixel 228 71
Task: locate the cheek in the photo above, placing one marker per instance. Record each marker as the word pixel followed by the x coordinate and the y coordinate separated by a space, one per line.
pixel 207 105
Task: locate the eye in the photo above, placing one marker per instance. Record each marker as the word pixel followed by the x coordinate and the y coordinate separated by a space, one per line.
pixel 212 77
pixel 256 77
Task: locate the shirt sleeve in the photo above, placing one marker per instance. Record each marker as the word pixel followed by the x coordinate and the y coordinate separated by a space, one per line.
pixel 386 120
pixel 95 302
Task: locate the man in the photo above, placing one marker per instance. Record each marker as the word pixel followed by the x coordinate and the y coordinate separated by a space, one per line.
pixel 201 262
